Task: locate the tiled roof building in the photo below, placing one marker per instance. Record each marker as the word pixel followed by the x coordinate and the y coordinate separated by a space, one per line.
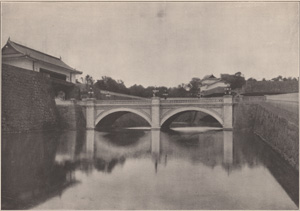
pixel 212 86
pixel 24 57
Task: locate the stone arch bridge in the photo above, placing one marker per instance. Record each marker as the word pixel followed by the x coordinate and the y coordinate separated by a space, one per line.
pixel 159 112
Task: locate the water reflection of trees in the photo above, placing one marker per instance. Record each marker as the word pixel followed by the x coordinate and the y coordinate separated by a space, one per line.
pixel 107 166
pixel 124 137
pixel 102 151
pixel 29 172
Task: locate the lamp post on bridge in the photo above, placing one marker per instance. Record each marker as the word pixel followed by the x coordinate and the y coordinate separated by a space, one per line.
pixel 91 92
pixel 155 90
pixel 227 91
pixel 107 94
pixel 165 94
pixel 199 93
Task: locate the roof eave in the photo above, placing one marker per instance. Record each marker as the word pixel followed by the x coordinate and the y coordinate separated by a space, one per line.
pixel 70 70
pixel 28 56
pixel 77 72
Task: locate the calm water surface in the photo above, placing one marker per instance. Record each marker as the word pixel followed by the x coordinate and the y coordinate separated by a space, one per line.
pixel 144 169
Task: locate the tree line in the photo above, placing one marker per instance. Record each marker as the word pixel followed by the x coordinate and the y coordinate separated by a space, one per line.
pixel 190 89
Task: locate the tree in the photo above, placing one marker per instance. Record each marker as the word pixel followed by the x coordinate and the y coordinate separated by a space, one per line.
pixel 179 91
pixel 235 81
pixel 137 90
pixel 238 74
pixel 251 79
pixel 109 84
pixel 194 86
pixel 278 78
pixel 89 80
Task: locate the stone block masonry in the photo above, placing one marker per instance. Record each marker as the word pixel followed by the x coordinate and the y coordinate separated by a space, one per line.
pixel 27 101
pixel 275 126
pixel 71 117
pixel 270 87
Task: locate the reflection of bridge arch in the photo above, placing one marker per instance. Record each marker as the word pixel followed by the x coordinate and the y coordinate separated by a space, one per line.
pixel 179 110
pixel 130 110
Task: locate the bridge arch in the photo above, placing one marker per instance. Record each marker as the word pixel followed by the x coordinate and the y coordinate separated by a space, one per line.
pixel 106 113
pixel 204 110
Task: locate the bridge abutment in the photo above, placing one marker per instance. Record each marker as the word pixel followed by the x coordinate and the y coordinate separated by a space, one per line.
pixel 227 112
pixel 155 113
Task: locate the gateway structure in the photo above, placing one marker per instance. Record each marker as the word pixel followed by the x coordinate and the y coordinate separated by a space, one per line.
pixel 18 55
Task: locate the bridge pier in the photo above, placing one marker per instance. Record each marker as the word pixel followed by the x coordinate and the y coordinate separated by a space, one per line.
pixel 155 142
pixel 90 144
pixel 90 113
pixel 155 113
pixel 227 112
pixel 227 147
pixel 155 147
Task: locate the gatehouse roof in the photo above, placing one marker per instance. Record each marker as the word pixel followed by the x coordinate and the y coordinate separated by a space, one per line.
pixel 38 55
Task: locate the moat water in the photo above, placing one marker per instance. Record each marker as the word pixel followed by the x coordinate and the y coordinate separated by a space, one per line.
pixel 144 169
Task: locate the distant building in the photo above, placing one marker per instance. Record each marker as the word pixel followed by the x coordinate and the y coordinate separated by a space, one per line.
pixel 212 86
pixel 21 56
pixel 208 79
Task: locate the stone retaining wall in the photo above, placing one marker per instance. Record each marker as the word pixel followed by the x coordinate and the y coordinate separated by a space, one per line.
pixel 275 127
pixel 270 87
pixel 71 117
pixel 27 101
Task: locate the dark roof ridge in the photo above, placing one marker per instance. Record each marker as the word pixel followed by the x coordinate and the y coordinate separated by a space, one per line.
pixel 40 56
pixel 9 41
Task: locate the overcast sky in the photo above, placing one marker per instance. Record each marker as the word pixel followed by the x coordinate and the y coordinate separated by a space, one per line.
pixel 163 43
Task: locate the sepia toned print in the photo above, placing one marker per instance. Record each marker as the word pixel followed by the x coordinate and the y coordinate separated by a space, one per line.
pixel 150 106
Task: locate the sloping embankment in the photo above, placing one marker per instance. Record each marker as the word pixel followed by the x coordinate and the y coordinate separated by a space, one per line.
pixel 279 128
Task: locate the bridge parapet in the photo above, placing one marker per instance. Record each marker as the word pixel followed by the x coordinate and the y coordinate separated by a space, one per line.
pixel 123 102
pixel 193 101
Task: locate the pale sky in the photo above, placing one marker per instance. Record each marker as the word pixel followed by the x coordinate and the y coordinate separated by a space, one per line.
pixel 161 43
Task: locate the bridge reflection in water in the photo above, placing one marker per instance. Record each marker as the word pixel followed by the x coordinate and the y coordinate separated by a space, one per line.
pixel 109 170
pixel 98 145
pixel 159 149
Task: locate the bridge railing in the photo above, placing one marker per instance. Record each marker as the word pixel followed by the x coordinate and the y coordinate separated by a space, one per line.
pixel 136 102
pixel 192 101
pixel 215 100
pixel 163 101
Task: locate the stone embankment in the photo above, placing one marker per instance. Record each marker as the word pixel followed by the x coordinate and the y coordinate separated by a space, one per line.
pixel 270 87
pixel 71 115
pixel 277 127
pixel 27 101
